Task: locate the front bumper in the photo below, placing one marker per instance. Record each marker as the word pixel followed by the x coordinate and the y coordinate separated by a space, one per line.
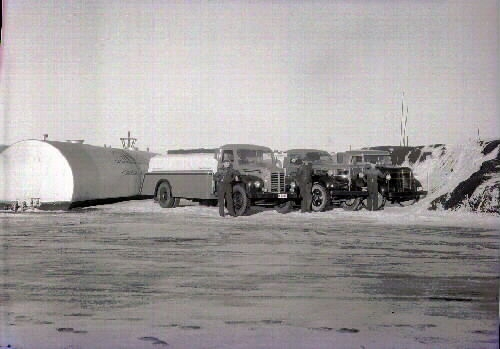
pixel 272 196
pixel 404 196
pixel 344 194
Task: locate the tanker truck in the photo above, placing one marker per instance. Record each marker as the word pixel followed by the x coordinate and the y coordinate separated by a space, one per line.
pixel 190 176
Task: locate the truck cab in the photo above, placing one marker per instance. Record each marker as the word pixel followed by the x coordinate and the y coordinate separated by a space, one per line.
pixel 261 180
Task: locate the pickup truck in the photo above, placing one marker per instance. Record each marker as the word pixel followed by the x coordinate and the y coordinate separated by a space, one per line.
pixel 191 176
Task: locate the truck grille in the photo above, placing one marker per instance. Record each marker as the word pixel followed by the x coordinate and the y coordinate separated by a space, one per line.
pixel 401 180
pixel 277 182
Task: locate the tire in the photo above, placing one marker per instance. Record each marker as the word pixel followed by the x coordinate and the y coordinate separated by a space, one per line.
pixel 284 207
pixel 164 195
pixel 380 199
pixel 241 202
pixel 353 204
pixel 320 198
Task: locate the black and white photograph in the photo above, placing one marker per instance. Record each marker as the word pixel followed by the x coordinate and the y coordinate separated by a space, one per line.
pixel 249 174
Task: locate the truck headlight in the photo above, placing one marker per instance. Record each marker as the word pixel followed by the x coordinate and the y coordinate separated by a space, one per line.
pixel 361 175
pixel 388 177
pixel 257 184
pixel 420 188
pixel 293 185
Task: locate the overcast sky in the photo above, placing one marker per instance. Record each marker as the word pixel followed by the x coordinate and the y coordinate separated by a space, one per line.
pixel 286 74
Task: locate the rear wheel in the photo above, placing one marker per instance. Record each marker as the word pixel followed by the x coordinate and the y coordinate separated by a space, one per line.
pixel 164 196
pixel 353 204
pixel 319 198
pixel 241 202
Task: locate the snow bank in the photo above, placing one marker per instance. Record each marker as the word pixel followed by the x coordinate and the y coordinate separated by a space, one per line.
pixel 463 177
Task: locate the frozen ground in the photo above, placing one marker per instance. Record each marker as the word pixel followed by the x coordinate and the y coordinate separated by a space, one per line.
pixel 132 275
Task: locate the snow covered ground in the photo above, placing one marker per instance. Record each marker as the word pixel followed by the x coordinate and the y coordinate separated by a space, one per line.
pixel 133 275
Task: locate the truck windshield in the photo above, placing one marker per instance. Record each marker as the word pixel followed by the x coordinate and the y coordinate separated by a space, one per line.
pixel 255 157
pixel 318 156
pixel 314 157
pixel 378 159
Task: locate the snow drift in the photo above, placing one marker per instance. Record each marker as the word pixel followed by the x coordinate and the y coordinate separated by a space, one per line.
pixel 463 177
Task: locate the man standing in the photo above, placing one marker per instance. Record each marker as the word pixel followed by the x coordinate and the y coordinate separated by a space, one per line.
pixel 375 200
pixel 304 179
pixel 225 178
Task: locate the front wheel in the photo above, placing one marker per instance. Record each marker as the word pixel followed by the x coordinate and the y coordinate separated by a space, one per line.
pixel 319 198
pixel 241 202
pixel 353 204
pixel 164 196
pixel 380 202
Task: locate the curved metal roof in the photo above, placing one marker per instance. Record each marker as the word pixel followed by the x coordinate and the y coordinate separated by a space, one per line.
pixel 70 172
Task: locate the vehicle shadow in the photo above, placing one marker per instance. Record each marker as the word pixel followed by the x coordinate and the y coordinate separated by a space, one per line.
pixel 258 209
pixel 253 210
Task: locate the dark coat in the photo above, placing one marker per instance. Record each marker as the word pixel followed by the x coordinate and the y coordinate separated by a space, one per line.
pixel 226 175
pixel 304 179
pixel 225 178
pixel 304 174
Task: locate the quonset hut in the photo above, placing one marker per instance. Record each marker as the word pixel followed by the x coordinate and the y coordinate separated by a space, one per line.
pixel 64 175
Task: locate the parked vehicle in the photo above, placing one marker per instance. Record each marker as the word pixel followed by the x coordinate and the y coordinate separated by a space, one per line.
pixel 190 176
pixel 331 186
pixel 395 184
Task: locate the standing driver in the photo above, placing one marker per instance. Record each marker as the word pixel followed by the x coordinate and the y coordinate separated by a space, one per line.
pixel 304 179
pixel 225 178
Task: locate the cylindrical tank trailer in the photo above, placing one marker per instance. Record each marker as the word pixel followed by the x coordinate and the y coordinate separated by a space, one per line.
pixel 64 175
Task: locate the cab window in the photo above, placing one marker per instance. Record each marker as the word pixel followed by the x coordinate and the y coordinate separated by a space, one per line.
pixel 356 159
pixel 227 154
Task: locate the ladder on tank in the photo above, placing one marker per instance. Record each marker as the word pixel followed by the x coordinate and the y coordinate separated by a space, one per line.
pixel 129 142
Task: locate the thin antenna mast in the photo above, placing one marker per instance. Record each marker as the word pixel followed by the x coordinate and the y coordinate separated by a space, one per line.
pixel 406 123
pixel 401 139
